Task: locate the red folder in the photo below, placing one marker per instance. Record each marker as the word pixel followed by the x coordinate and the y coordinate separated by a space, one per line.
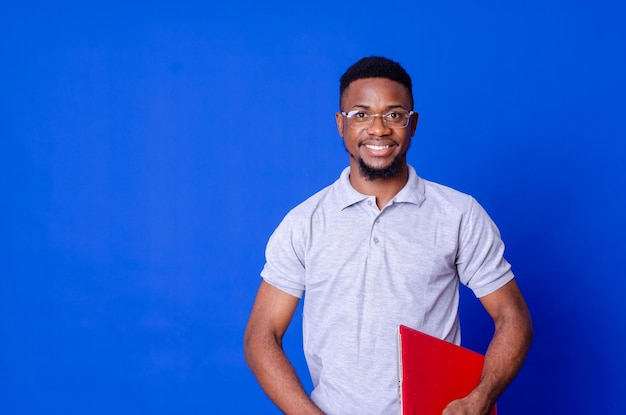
pixel 434 372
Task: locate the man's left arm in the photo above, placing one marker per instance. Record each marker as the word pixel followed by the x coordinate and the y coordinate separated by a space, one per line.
pixel 506 353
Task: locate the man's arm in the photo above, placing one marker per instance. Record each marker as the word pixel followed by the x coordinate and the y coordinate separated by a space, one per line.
pixel 269 319
pixel 506 353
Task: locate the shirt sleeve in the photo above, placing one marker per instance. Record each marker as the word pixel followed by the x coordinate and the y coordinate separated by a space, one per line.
pixel 480 260
pixel 284 259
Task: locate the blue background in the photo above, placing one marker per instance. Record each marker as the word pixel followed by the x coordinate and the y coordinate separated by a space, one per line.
pixel 149 150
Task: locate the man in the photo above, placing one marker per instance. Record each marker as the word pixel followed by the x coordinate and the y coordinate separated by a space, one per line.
pixel 378 248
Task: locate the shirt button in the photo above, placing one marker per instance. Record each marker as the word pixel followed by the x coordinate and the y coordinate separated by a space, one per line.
pixel 376 240
pixel 369 202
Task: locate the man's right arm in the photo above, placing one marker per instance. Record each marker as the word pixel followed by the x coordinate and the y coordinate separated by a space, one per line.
pixel 271 314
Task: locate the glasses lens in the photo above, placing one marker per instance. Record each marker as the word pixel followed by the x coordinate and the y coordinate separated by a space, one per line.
pixel 397 119
pixel 360 119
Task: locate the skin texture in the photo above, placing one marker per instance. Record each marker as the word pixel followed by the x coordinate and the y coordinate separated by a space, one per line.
pixel 273 309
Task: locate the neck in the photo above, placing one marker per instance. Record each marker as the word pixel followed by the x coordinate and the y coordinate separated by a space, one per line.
pixel 383 189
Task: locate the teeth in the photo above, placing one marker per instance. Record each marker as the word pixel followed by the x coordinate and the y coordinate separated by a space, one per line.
pixel 374 147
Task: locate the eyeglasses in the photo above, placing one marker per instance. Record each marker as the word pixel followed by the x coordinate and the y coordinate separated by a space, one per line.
pixel 362 119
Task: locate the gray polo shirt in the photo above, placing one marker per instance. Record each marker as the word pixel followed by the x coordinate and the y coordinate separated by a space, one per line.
pixel 365 271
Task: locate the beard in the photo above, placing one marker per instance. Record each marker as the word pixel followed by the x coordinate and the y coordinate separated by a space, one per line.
pixel 372 173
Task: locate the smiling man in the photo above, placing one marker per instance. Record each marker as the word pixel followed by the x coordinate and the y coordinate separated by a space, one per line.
pixel 378 248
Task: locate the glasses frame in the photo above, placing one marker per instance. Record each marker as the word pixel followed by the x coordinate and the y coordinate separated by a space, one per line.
pixel 351 114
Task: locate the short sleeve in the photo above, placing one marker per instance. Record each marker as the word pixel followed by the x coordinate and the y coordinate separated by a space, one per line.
pixel 480 260
pixel 284 255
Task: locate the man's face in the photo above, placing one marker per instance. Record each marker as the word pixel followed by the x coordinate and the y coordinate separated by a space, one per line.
pixel 377 149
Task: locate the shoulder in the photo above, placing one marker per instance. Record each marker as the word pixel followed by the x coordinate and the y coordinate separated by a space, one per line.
pixel 447 198
pixel 300 218
pixel 307 208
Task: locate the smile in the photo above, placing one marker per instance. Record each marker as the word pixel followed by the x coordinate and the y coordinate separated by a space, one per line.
pixel 377 147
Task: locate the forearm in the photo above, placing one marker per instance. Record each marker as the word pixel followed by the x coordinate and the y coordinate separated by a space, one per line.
pixel 277 376
pixel 503 360
pixel 506 353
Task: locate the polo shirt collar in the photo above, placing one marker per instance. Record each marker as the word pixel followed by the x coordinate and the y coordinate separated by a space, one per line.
pixel 348 195
pixel 412 192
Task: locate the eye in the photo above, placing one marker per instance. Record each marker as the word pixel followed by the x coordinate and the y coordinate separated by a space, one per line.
pixel 360 114
pixel 397 117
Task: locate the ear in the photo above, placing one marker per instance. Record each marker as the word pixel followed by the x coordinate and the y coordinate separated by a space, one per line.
pixel 339 120
pixel 414 118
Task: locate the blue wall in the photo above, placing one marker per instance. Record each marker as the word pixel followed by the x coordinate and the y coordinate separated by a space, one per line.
pixel 148 151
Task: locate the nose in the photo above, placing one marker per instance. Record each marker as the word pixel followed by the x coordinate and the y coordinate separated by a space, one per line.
pixel 379 127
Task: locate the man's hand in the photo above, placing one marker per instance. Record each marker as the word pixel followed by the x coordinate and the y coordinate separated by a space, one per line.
pixel 466 406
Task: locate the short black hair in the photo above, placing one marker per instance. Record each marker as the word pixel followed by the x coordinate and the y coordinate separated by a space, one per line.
pixel 375 67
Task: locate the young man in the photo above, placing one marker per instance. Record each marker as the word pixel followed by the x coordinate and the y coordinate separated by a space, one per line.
pixel 378 248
